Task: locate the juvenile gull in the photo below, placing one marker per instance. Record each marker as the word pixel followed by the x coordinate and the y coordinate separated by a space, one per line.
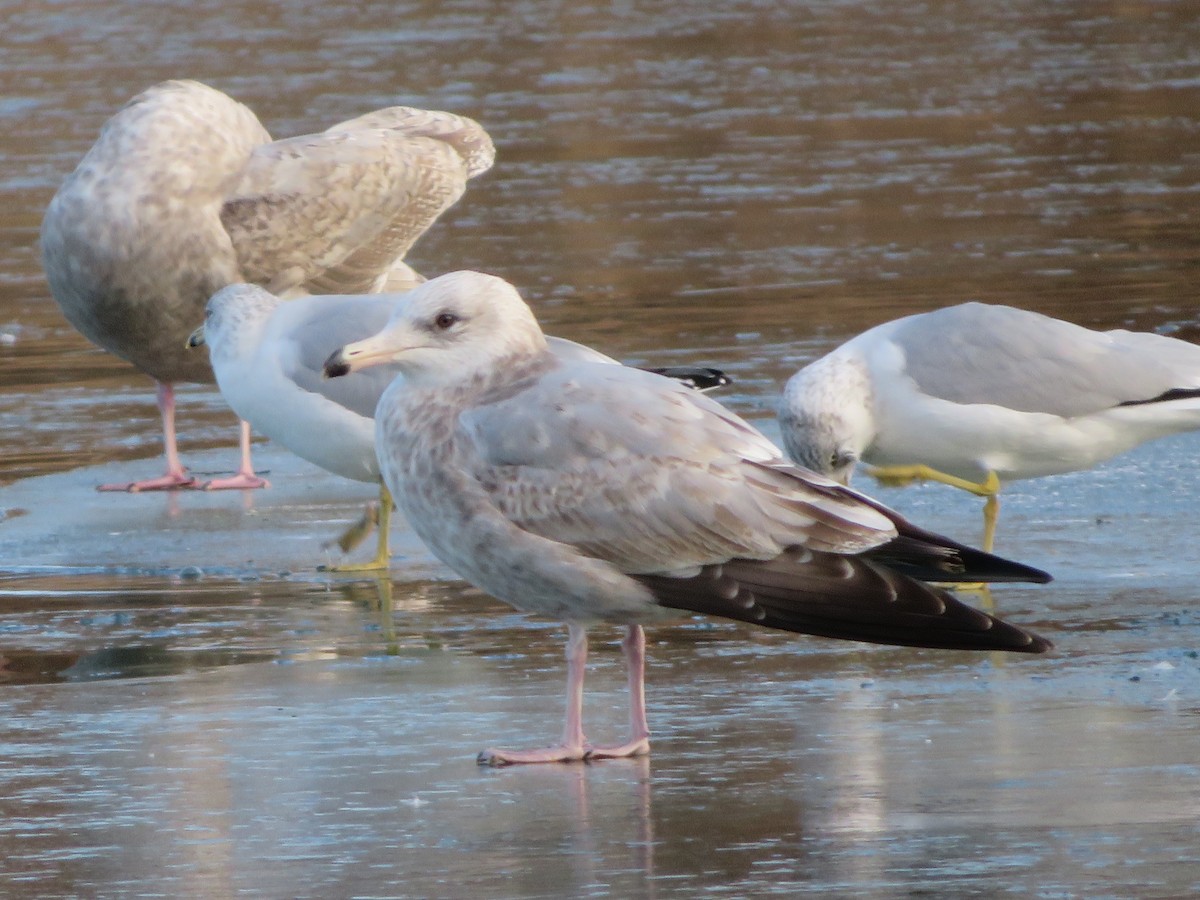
pixel 599 493
pixel 268 353
pixel 976 394
pixel 184 192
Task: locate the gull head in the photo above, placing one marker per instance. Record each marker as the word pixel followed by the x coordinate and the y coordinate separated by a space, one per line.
pixel 825 416
pixel 232 316
pixel 448 329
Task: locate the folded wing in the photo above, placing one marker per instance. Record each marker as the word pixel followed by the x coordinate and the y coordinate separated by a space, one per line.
pixel 980 353
pixel 699 507
pixel 650 475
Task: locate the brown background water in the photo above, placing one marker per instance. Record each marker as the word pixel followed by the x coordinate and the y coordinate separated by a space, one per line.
pixel 742 183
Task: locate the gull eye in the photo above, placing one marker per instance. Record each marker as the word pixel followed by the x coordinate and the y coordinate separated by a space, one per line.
pixel 445 320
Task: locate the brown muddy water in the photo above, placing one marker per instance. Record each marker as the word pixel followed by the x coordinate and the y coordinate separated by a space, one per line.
pixel 192 709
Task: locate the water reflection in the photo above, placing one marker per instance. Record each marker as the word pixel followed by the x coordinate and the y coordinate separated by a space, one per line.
pixel 345 750
pixel 75 627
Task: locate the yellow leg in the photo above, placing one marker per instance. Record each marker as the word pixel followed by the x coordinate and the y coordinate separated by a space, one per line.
pixel 382 520
pixel 991 512
pixel 898 476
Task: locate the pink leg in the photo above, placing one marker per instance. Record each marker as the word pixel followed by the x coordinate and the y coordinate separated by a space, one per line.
pixel 573 745
pixel 634 648
pixel 175 477
pixel 245 477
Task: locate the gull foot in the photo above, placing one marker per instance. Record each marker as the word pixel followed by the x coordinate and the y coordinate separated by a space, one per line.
pixel 169 482
pixel 637 747
pixel 240 480
pixel 558 754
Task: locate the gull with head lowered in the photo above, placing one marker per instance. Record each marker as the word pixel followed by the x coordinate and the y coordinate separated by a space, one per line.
pixel 184 192
pixel 977 394
pixel 597 493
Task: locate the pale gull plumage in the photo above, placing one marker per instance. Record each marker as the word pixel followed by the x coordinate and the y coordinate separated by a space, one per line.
pixel 268 353
pixel 978 394
pixel 184 192
pixel 599 493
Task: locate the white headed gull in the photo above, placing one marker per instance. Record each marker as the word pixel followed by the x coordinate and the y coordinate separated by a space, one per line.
pixel 600 493
pixel 976 394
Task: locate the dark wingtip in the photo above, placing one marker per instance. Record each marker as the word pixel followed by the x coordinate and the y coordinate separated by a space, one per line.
pixel 1037 644
pixel 982 566
pixel 846 598
pixel 929 556
pixel 1166 397
pixel 701 378
pixel 1012 638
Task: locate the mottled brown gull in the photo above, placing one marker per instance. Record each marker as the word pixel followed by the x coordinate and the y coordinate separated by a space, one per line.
pixel 268 354
pixel 184 193
pixel 595 493
pixel 977 394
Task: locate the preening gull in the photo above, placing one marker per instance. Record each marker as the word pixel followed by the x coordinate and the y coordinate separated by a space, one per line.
pixel 599 493
pixel 184 193
pixel 978 394
pixel 268 353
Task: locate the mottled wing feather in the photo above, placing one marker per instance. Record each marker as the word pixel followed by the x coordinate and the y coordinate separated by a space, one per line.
pixel 439 181
pixel 980 353
pixel 333 212
pixel 576 452
pixel 431 177
pixel 468 138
